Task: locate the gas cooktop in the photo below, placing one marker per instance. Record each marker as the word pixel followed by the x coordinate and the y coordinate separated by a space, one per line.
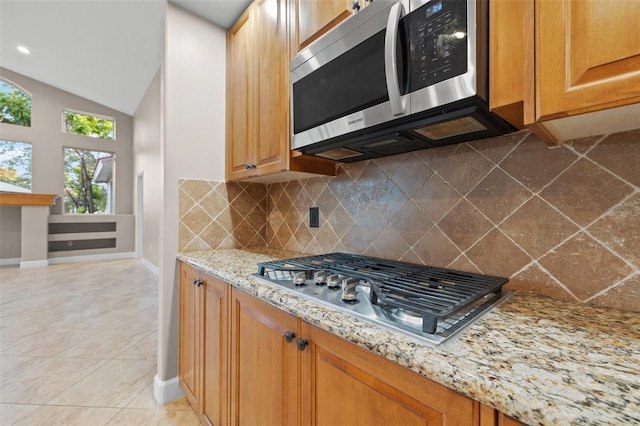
pixel 424 301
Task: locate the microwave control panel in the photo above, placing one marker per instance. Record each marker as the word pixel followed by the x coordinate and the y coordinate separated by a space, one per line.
pixel 437 42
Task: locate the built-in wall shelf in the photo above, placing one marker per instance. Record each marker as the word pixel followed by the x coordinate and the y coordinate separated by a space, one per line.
pixel 26 199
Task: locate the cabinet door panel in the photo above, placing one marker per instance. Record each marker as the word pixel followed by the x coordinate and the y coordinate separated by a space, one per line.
pixel 264 366
pixel 214 352
pixel 348 395
pixel 345 384
pixel 239 96
pixel 189 308
pixel 271 87
pixel 314 18
pixel 587 55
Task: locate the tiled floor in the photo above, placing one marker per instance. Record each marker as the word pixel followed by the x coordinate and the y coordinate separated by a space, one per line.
pixel 78 346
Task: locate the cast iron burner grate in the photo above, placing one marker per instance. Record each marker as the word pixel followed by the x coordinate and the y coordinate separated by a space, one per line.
pixel 433 293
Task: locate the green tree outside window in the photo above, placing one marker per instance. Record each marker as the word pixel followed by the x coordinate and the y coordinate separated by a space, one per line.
pixel 15 105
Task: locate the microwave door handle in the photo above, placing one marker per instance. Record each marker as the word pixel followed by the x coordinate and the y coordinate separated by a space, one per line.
pixel 390 60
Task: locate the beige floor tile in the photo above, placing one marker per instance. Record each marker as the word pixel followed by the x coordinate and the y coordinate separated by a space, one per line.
pixel 139 320
pixel 115 384
pixel 13 365
pixel 157 417
pixel 49 343
pixel 12 413
pixel 146 348
pixel 44 381
pixel 146 400
pixel 103 344
pixel 52 325
pixel 51 415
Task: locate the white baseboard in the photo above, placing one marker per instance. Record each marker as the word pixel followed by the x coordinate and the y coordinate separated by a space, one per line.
pixel 91 258
pixel 150 266
pixel 34 264
pixel 166 391
pixel 10 261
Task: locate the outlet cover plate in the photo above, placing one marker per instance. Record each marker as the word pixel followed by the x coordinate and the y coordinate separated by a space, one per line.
pixel 314 217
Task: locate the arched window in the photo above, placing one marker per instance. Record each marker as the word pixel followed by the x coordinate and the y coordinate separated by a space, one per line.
pixel 15 104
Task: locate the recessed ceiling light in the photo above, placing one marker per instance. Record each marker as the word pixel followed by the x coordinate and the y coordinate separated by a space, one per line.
pixel 24 50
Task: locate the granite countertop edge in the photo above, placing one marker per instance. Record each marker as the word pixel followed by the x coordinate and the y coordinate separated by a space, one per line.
pixel 536 359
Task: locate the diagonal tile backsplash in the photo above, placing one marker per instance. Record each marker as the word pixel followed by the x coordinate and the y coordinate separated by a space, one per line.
pixel 221 215
pixel 564 222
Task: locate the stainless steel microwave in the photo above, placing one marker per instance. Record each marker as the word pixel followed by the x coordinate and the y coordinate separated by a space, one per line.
pixel 398 76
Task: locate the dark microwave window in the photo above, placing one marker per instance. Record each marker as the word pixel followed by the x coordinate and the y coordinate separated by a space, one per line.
pixel 352 82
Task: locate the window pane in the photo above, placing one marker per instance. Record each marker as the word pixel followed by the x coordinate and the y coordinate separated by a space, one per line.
pixel 15 105
pixel 88 180
pixel 15 166
pixel 89 125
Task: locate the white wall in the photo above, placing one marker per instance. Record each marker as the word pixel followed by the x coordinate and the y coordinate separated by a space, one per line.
pixel 47 139
pixel 193 120
pixel 10 242
pixel 146 161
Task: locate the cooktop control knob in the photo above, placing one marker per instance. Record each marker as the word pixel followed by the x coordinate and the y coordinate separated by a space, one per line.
pixel 349 289
pixel 334 281
pixel 299 278
pixel 320 277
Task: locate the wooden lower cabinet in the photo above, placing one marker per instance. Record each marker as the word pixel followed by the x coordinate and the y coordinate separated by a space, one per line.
pixel 264 366
pixel 345 384
pixel 203 336
pixel 243 361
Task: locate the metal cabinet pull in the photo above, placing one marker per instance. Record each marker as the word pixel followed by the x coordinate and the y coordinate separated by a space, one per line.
pixel 301 343
pixel 289 336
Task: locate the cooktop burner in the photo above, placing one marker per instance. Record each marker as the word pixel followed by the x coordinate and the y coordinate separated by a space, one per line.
pixel 433 303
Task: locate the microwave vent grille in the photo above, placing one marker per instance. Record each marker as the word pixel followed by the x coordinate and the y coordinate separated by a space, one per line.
pixel 338 154
pixel 447 129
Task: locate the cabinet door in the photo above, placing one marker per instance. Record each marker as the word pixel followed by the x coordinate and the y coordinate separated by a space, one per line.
pixel 239 97
pixel 271 87
pixel 345 384
pixel 587 56
pixel 214 365
pixel 188 335
pixel 312 18
pixel 264 367
pixel 504 420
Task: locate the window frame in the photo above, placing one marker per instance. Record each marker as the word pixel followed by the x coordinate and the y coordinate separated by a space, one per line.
pixel 111 187
pixel 30 163
pixel 88 114
pixel 25 91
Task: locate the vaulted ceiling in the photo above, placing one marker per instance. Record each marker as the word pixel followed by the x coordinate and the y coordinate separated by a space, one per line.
pixel 104 50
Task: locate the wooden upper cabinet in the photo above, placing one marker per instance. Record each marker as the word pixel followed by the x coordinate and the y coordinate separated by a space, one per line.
pixel 240 97
pixel 511 62
pixel 271 116
pixel 257 99
pixel 312 18
pixel 257 81
pixel 587 56
pixel 566 68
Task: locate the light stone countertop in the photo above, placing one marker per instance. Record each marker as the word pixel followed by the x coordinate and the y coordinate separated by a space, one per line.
pixel 539 360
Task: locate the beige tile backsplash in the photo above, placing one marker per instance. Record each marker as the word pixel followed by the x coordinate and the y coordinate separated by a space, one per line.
pixel 564 222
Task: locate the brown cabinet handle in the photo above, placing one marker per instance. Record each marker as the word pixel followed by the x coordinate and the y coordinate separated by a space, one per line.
pixel 289 336
pixel 301 343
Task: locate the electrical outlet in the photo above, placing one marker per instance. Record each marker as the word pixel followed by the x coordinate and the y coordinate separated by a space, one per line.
pixel 314 217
